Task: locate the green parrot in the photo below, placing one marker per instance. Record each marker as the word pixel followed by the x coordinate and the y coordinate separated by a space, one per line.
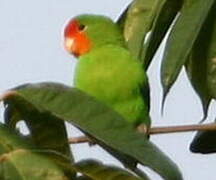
pixel 106 69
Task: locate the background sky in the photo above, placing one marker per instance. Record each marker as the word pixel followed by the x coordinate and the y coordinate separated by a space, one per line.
pixel 31 50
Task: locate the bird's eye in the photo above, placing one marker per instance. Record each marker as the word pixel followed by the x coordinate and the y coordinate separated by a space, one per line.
pixel 82 27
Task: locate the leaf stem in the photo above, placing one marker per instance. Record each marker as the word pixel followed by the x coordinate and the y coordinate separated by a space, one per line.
pixel 160 130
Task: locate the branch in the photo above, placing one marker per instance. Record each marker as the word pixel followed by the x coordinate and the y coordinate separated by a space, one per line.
pixel 80 139
pixel 183 128
pixel 159 130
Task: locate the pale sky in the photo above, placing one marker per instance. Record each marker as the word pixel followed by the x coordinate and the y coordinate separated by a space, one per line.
pixel 31 50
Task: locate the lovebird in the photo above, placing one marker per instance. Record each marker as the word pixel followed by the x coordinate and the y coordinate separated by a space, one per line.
pixel 106 69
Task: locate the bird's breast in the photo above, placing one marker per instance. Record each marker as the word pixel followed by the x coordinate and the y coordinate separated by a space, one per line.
pixel 109 75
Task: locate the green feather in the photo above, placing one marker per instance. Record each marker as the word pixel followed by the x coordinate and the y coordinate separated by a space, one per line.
pixel 110 73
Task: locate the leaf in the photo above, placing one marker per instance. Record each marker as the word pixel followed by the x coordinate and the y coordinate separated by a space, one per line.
pixel 97 171
pixel 11 116
pixel 83 178
pixel 122 18
pixel 138 20
pixel 91 169
pixel 204 142
pixel 199 67
pixel 52 138
pixel 196 71
pixel 10 140
pixel 181 40
pixel 25 165
pixel 211 52
pixel 166 12
pixel 95 119
pixel 18 162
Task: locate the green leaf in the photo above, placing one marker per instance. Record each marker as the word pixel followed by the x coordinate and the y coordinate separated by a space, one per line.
pixel 54 138
pixel 137 23
pixel 210 52
pixel 202 70
pixel 122 18
pixel 11 116
pixel 205 141
pixel 25 165
pixel 104 125
pixel 11 140
pixel 196 70
pixel 97 171
pixel 92 169
pixel 181 40
pixel 197 66
pixel 18 162
pixel 165 14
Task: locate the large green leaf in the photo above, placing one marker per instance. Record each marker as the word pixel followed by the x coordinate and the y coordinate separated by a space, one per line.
pixel 97 171
pixel 104 125
pixel 18 162
pixel 210 52
pixel 165 14
pixel 26 165
pixel 138 20
pixel 181 39
pixel 200 66
pixel 205 141
pixel 92 169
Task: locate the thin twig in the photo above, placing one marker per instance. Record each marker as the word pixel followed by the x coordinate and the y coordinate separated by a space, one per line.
pixel 159 130
pixel 183 128
pixel 80 139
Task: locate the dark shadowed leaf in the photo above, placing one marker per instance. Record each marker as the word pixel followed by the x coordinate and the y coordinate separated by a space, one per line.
pixel 210 52
pixel 92 169
pixel 201 66
pixel 11 116
pixel 83 178
pixel 196 71
pixel 165 14
pixel 181 40
pixel 138 19
pixel 97 171
pixel 18 162
pixel 204 142
pixel 122 18
pixel 104 125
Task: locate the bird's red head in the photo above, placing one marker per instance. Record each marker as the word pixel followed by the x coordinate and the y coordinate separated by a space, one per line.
pixel 76 40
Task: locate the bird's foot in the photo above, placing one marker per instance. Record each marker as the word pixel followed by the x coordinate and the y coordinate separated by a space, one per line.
pixel 142 128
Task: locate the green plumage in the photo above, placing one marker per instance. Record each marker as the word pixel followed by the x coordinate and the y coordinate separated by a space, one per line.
pixel 110 73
